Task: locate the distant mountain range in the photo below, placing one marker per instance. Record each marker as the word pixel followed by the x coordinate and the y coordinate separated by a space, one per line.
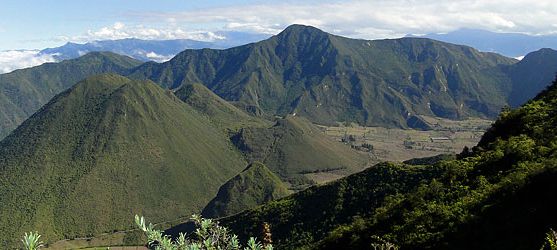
pixel 508 44
pixel 308 72
pixel 143 50
pixel 151 50
pixel 328 78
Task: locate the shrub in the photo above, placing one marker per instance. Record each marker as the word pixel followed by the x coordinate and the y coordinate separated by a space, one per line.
pixel 550 241
pixel 32 241
pixel 209 235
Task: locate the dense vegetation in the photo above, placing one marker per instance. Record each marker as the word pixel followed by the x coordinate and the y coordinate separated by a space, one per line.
pixel 105 149
pixel 209 235
pixel 252 187
pixel 499 196
pixel 23 92
pixel 304 218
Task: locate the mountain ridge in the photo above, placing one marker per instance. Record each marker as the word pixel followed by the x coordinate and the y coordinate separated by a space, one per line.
pixel 329 78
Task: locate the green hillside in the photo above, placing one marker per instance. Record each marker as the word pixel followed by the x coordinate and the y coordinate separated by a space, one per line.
pixel 323 77
pixel 329 78
pixel 221 112
pixel 23 92
pixel 104 150
pixel 499 196
pixel 306 71
pixel 252 187
pixel 531 75
pixel 294 147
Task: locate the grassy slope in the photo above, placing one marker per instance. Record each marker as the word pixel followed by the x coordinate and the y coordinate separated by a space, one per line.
pixel 497 197
pixel 23 92
pixel 101 152
pixel 221 112
pixel 329 78
pixel 250 188
pixel 294 146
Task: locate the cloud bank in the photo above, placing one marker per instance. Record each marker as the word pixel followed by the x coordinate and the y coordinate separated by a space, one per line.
pixel 17 59
pixel 374 19
pixel 377 18
pixel 120 30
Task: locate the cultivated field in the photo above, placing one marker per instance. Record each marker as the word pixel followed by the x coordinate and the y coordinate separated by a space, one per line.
pixel 389 144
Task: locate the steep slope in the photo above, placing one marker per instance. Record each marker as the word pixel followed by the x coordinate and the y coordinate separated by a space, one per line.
pixel 218 110
pixel 23 92
pixel 496 197
pixel 329 78
pixel 531 75
pixel 252 187
pixel 294 147
pixel 104 150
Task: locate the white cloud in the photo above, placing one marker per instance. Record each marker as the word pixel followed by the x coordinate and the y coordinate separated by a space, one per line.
pixel 156 57
pixel 373 19
pixel 378 18
pixel 120 30
pixel 17 59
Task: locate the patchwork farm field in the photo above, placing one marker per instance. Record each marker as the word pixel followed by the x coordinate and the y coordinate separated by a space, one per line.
pixel 391 144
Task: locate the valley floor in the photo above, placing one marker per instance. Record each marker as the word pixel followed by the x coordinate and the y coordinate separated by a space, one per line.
pixel 397 145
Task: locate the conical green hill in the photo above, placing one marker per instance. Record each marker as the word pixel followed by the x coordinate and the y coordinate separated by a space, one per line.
pixel 24 91
pixel 104 150
pixel 253 186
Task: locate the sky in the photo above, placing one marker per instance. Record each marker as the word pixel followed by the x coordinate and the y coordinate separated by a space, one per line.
pixel 27 26
pixel 37 24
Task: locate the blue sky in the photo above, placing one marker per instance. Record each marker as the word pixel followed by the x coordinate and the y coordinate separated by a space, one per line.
pixel 26 24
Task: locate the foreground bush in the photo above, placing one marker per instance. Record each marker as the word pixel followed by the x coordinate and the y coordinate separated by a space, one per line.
pixel 32 241
pixel 209 235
